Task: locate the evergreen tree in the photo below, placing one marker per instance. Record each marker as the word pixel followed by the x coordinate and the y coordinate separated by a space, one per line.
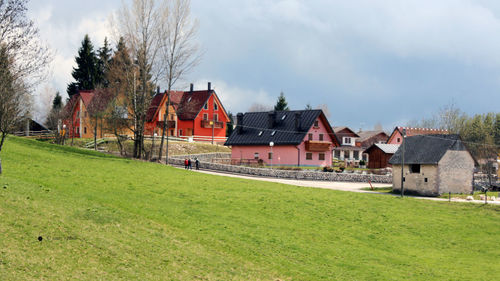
pixel 497 130
pixel 104 59
pixel 229 129
pixel 57 102
pixel 86 72
pixel 281 104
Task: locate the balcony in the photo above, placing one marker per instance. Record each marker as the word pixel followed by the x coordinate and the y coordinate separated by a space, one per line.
pixel 317 146
pixel 208 124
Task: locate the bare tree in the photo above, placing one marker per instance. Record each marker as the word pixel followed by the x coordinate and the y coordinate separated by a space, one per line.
pixel 325 109
pixel 140 25
pixel 179 50
pixel 98 110
pixel 259 107
pixel 24 60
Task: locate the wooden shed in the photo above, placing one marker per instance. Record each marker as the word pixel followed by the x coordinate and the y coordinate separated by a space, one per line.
pixel 379 155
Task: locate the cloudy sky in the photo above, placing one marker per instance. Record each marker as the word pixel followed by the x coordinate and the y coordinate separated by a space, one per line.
pixel 368 61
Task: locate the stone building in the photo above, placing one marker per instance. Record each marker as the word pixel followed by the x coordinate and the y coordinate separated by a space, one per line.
pixel 434 165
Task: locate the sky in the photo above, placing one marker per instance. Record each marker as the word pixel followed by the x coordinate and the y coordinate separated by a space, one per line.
pixel 369 62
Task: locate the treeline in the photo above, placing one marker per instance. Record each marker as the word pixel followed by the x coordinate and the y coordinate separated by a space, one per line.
pixel 480 132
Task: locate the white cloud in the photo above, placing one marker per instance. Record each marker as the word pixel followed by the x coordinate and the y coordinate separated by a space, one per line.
pixel 234 98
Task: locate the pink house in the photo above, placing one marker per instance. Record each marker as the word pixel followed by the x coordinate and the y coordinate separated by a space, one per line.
pixel 283 138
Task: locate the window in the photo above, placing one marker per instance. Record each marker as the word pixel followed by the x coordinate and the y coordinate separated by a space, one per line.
pixel 356 155
pixel 84 130
pixel 273 133
pixel 171 132
pixel 180 132
pixel 399 140
pixel 205 106
pixel 216 117
pixel 347 140
pixel 270 155
pixel 172 117
pixel 215 106
pixel 321 156
pixel 337 154
pixel 309 156
pixel 415 168
pixel 310 137
pixel 321 137
pixel 189 100
pixel 205 116
pixel 404 179
pixel 283 118
pixel 316 124
pixel 425 180
pixel 260 133
pixel 256 155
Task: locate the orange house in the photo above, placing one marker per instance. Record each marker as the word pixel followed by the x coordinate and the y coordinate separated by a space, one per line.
pixel 397 135
pixel 197 115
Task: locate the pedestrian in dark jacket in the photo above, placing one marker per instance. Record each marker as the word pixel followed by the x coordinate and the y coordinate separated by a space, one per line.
pixel 197 163
pixel 186 163
pixel 190 167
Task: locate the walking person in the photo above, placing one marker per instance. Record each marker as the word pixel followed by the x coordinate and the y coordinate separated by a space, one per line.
pixel 197 163
pixel 190 167
pixel 186 163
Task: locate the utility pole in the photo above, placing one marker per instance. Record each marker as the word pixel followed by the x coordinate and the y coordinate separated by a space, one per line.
pixel 403 163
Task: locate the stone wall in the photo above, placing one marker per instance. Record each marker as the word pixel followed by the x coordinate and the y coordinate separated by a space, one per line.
pixel 286 174
pixel 423 183
pixel 456 170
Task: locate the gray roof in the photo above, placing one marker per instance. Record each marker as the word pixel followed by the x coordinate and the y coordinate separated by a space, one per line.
pixel 257 128
pixel 427 149
pixel 388 148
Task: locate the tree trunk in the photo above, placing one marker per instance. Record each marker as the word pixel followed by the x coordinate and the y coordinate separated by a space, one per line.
pixel 165 128
pixel 95 134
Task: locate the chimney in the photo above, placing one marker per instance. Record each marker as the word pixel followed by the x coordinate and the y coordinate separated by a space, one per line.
pixel 239 122
pixel 209 86
pixel 298 121
pixel 272 119
pixel 191 87
pixel 158 90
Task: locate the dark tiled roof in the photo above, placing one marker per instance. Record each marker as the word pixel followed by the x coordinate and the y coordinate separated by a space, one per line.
pixel 100 101
pixel 427 149
pixel 285 132
pixel 191 104
pixel 348 132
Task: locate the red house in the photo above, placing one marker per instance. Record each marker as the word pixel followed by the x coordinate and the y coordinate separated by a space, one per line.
pixel 198 115
pixel 76 115
pixel 397 135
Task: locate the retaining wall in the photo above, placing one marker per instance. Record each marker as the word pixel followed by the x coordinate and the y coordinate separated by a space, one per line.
pixel 286 174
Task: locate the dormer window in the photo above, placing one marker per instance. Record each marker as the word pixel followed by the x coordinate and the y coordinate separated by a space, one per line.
pixel 283 118
pixel 205 106
pixel 260 133
pixel 273 133
pixel 189 99
pixel 215 106
pixel 316 124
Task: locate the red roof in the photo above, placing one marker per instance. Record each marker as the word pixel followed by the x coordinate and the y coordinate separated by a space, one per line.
pixel 160 99
pixel 87 97
pixel 191 104
pixel 421 131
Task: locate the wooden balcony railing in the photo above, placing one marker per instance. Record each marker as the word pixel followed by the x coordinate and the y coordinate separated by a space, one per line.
pixel 317 146
pixel 208 124
pixel 170 123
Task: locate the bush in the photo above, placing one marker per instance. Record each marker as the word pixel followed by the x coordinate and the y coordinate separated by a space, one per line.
pixel 362 162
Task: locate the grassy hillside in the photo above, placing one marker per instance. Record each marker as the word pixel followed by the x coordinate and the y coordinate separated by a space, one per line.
pixel 108 218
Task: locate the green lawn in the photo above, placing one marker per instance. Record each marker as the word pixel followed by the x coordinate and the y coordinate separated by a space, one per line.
pixel 105 218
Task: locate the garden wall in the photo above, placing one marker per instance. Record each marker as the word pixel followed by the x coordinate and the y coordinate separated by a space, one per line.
pixel 275 173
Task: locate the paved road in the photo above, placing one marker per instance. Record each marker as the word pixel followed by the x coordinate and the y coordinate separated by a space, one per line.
pixel 343 186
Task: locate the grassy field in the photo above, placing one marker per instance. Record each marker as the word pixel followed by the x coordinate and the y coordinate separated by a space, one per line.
pixel 105 218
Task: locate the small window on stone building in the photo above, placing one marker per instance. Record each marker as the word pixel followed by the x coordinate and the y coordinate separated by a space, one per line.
pixel 309 156
pixel 321 137
pixel 425 180
pixel 404 179
pixel 415 168
pixel 321 156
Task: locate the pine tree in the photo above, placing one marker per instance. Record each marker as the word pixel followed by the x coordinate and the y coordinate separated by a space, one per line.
pixel 497 130
pixel 281 104
pixel 104 59
pixel 308 107
pixel 57 102
pixel 86 72
pixel 229 128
